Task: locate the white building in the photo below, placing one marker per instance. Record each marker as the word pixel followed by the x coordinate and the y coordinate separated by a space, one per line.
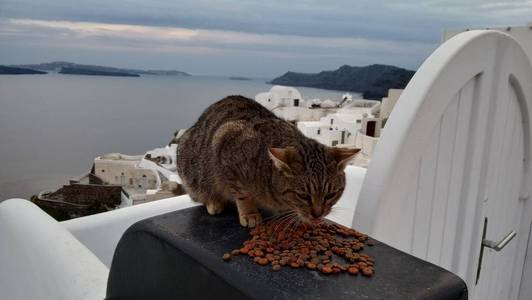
pixel 141 176
pixel 389 102
pixel 340 127
pixel 288 103
pixel 280 96
pixel 358 124
pixel 347 123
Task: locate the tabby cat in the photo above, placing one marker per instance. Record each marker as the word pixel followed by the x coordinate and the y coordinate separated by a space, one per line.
pixel 240 151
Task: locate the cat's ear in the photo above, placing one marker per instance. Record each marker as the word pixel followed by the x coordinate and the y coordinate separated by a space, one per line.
pixel 281 158
pixel 343 155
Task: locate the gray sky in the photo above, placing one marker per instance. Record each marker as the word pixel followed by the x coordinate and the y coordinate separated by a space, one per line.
pixel 250 38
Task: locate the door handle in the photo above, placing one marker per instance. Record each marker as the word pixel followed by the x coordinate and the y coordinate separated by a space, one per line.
pixel 500 245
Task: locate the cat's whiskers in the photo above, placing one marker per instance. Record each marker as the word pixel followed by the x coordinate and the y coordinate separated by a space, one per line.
pixel 294 218
pixel 280 221
pixel 295 224
pixel 277 216
pixel 282 217
pixel 286 219
pixel 285 224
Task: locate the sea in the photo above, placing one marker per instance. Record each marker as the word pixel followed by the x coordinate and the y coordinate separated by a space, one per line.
pixel 53 126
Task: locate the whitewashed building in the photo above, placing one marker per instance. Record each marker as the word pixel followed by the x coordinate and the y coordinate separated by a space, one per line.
pixel 345 123
pixel 389 102
pixel 357 124
pixel 280 96
pixel 141 176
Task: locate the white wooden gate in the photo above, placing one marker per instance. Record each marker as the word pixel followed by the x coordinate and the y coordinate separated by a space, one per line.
pixel 453 155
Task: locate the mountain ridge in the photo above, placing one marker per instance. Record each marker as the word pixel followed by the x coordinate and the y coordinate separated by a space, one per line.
pixel 5 70
pixel 373 81
pixel 56 66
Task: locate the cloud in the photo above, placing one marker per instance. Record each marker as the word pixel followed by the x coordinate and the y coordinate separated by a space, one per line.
pixel 406 20
pixel 90 29
pixel 158 38
pixel 373 19
pixel 306 35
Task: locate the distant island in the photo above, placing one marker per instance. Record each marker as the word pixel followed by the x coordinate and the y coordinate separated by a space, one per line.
pixel 58 66
pixel 372 81
pixel 18 71
pixel 80 71
pixel 239 78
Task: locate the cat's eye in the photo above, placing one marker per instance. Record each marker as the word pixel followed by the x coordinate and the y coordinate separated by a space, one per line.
pixel 305 197
pixel 329 196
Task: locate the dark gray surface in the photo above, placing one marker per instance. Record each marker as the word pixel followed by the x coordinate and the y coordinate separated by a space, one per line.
pixel 178 255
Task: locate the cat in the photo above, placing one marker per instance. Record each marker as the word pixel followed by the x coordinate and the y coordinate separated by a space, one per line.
pixel 240 151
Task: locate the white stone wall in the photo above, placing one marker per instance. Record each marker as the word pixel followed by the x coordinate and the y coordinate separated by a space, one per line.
pixel 311 129
pixel 389 102
pixel 365 143
pixel 125 173
pixel 291 113
pixel 268 100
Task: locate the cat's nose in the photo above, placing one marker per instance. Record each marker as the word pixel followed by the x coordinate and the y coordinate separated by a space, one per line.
pixel 316 211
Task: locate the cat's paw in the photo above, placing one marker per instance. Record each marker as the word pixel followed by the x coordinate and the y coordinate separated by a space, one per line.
pixel 250 220
pixel 214 208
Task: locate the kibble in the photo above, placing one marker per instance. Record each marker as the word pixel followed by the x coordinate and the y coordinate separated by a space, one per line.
pixel 352 270
pixel 294 265
pixel 367 272
pixel 326 270
pixel 326 248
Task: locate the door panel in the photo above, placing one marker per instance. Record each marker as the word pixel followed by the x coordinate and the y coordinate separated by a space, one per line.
pixel 502 205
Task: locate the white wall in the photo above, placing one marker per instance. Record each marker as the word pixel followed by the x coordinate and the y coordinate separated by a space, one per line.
pixel 300 113
pixel 311 129
pixel 389 102
pixel 125 173
pixel 268 100
pixel 365 143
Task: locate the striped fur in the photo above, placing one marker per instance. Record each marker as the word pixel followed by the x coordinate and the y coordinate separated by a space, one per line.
pixel 234 153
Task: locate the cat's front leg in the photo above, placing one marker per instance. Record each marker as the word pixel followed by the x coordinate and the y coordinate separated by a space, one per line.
pixel 248 213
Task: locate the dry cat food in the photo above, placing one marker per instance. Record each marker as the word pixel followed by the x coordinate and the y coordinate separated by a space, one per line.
pixel 327 248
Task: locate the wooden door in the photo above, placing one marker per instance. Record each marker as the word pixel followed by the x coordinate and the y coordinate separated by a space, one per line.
pixel 456 152
pixel 504 206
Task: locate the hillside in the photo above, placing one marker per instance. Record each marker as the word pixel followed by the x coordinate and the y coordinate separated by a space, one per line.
pixel 372 81
pixel 80 71
pixel 58 65
pixel 17 71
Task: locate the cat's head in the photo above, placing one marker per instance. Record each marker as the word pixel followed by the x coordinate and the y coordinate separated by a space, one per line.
pixel 309 178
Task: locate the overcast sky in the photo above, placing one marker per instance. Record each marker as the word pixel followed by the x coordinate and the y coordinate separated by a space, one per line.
pixel 250 38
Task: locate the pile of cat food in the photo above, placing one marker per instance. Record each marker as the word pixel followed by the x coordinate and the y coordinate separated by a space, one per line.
pixel 326 248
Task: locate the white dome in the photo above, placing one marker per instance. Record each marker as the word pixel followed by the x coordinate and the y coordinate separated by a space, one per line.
pixel 286 92
pixel 268 100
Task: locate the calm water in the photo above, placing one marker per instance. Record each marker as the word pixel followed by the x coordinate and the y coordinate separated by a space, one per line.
pixel 52 126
